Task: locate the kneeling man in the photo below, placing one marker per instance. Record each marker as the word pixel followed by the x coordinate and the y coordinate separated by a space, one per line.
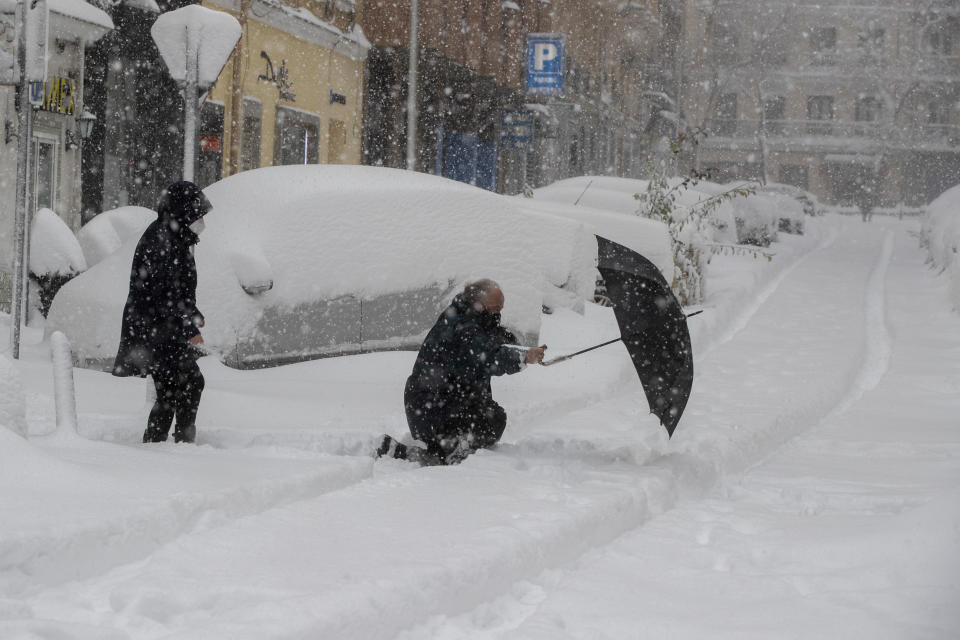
pixel 448 400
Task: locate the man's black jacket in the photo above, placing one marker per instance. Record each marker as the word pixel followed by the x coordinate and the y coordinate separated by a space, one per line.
pixel 460 354
pixel 161 313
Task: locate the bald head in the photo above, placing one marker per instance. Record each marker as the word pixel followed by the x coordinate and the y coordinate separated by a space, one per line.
pixel 483 295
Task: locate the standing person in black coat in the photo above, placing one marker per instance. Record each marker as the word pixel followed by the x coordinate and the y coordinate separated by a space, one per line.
pixel 161 322
pixel 447 398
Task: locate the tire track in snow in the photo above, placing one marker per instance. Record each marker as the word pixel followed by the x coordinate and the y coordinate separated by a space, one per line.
pixel 94 547
pixel 878 345
pixel 692 474
pixel 740 321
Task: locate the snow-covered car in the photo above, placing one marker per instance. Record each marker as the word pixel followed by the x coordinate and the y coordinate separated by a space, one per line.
pixel 110 230
pixel 300 262
pixel 801 204
pixel 811 205
pixel 755 216
pixel 618 195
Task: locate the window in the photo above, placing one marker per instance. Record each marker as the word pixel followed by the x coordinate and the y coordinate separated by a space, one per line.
pixel 210 155
pixel 939 111
pixel 819 108
pixel 45 171
pixel 252 125
pixel 823 45
pixel 297 137
pixel 774 109
pixel 870 40
pixel 337 144
pixel 867 109
pixel 725 115
pixel 823 39
pixel 941 39
pixel 724 44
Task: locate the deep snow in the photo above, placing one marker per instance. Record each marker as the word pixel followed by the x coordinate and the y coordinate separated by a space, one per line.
pixel 810 491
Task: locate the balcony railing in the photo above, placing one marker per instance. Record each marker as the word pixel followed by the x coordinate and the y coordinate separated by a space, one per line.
pixel 942 134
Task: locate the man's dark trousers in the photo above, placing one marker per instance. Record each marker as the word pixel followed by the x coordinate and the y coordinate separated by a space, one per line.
pixel 442 423
pixel 179 386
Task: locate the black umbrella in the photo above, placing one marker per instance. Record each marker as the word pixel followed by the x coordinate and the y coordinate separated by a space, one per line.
pixel 652 326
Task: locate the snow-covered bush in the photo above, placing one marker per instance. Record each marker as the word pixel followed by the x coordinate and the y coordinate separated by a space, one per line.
pixel 940 233
pixel 13 410
pixel 756 219
pixel 55 255
pixel 54 249
pixel 110 230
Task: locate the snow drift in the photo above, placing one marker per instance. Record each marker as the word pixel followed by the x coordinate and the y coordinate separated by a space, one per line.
pixel 941 234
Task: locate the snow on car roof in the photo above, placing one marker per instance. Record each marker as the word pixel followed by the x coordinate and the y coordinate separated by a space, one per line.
pixel 319 232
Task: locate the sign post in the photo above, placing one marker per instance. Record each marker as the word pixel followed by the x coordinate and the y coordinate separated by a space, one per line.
pixel 545 64
pixel 31 64
pixel 195 43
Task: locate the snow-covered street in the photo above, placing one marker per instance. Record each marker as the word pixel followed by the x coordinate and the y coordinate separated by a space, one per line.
pixel 811 490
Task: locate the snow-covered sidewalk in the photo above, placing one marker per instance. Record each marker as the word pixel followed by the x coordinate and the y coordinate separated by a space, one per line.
pixel 586 523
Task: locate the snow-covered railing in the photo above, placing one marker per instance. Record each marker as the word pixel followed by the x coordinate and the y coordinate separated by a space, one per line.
pixel 723 129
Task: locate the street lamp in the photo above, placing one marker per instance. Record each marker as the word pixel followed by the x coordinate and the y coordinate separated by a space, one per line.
pixel 85 124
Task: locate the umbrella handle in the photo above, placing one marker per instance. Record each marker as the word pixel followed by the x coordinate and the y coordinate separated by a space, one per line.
pixel 547 363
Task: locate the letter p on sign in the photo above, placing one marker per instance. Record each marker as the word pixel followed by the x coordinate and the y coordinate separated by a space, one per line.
pixel 543 53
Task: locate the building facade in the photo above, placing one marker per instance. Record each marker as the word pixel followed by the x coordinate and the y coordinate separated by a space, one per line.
pixel 55 145
pixel 856 103
pixel 291 93
pixel 472 89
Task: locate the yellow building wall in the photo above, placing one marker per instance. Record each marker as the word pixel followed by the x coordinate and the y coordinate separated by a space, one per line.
pixel 314 72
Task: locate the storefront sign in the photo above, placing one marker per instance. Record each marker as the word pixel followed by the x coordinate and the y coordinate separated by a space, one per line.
pixel 339 98
pixel 516 130
pixel 279 78
pixel 57 95
pixel 210 143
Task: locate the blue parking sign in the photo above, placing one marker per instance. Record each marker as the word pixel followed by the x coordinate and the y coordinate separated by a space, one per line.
pixel 545 54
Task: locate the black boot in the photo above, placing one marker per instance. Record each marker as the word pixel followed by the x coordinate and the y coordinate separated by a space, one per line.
pixel 391 448
pixel 154 435
pixel 188 434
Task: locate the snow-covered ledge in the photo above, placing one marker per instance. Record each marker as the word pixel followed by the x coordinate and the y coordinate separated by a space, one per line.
pixel 76 19
pixel 304 25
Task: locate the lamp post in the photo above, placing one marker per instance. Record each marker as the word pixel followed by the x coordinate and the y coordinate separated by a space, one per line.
pixel 412 90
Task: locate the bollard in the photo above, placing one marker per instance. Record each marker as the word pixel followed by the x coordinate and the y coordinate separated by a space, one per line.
pixel 64 395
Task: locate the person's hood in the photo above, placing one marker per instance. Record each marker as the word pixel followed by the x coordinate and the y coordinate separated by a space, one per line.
pixel 183 203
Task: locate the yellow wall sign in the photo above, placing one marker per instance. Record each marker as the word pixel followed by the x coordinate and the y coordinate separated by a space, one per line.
pixel 57 95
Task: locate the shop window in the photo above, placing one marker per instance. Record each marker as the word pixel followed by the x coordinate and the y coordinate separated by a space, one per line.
pixel 297 137
pixel 252 130
pixel 210 144
pixel 338 142
pixel 45 171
